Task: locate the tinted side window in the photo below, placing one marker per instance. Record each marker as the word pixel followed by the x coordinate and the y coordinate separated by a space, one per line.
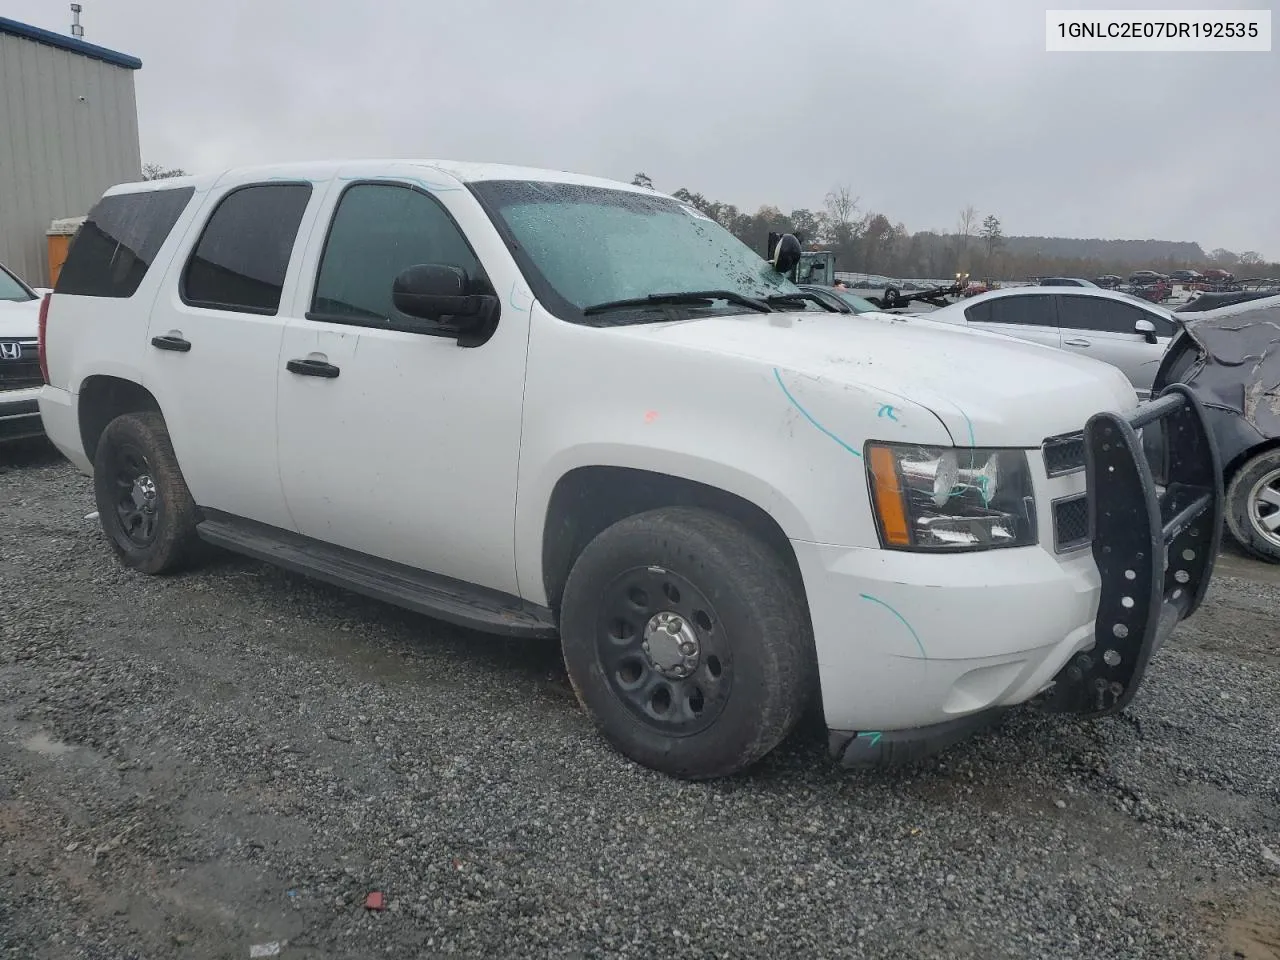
pixel 378 231
pixel 1107 316
pixel 243 254
pixel 113 248
pixel 1031 311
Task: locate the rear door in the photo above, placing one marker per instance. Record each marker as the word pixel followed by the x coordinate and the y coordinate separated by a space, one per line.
pixel 1029 317
pixel 1104 329
pixel 214 344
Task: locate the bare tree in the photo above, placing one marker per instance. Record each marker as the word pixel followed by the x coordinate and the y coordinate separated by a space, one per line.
pixel 841 206
pixel 964 230
pixel 154 171
pixel 642 180
pixel 1251 258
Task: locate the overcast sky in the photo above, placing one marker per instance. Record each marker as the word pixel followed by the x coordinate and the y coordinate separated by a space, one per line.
pixel 920 106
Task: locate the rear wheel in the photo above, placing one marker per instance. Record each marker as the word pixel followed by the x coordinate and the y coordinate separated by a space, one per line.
pixel 687 641
pixel 144 506
pixel 1253 506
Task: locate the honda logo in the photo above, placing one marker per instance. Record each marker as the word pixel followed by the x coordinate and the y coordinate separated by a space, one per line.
pixel 10 351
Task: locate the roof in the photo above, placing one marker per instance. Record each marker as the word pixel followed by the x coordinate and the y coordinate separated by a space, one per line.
pixel 51 39
pixel 434 174
pixel 1095 292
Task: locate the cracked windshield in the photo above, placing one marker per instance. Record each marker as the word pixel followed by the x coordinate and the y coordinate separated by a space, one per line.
pixel 684 480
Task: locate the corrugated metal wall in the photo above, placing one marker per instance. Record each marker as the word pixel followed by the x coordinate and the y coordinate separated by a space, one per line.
pixel 68 130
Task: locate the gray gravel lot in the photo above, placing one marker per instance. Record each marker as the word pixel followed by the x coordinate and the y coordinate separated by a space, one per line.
pixel 234 757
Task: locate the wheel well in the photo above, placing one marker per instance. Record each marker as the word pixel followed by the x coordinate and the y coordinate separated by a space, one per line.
pixel 102 399
pixel 1229 472
pixel 588 500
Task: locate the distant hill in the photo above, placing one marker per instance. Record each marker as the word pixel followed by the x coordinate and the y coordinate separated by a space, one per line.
pixel 1130 253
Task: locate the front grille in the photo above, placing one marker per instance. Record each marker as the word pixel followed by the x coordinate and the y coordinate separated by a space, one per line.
pixel 1070 523
pixel 22 372
pixel 1064 454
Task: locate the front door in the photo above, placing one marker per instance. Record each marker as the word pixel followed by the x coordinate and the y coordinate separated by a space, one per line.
pixel 1104 329
pixel 403 446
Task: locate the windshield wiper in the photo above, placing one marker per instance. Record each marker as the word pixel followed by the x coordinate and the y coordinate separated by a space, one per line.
pixel 804 295
pixel 690 296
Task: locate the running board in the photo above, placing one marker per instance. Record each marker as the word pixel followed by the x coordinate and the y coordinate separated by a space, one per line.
pixel 442 598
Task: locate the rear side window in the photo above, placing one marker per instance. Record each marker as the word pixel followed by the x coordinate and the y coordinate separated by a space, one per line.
pixel 118 242
pixel 1030 311
pixel 243 254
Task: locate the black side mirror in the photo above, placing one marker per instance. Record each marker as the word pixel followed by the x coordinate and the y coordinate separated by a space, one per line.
pixel 786 255
pixel 444 294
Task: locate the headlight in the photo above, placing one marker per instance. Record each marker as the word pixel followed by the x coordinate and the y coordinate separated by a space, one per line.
pixel 951 498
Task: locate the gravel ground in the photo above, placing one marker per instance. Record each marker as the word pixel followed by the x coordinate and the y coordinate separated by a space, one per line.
pixel 193 766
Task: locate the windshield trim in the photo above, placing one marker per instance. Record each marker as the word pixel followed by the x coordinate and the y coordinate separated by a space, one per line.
pixel 542 288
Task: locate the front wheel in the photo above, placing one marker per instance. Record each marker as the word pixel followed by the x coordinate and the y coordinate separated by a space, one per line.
pixel 1253 506
pixel 687 641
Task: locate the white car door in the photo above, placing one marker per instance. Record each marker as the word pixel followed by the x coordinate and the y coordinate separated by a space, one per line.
pixel 1026 317
pixel 399 445
pixel 214 337
pixel 1106 330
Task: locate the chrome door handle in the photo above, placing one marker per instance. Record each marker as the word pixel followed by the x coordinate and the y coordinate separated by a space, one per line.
pixel 1076 343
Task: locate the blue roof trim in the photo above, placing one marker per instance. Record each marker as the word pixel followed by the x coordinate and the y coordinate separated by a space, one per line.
pixel 69 43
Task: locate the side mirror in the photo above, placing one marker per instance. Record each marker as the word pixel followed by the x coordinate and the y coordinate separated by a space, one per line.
pixel 1147 329
pixel 786 255
pixel 442 294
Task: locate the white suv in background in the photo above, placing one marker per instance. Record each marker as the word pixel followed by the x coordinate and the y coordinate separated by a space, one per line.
pixel 545 404
pixel 20 376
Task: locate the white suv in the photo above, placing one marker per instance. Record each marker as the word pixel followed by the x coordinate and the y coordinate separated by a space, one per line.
pixel 544 404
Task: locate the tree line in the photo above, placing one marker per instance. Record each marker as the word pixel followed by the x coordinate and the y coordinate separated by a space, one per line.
pixel 869 242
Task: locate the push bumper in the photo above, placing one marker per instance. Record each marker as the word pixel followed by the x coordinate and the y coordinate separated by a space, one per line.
pixel 20 414
pixel 1071 636
pixel 1155 547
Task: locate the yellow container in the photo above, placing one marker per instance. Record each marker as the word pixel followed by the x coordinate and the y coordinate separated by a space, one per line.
pixel 59 236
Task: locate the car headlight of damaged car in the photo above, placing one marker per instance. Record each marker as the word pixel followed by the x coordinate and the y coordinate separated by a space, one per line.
pixel 951 498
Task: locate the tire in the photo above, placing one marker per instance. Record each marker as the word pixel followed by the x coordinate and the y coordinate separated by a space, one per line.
pixel 150 525
pixel 753 671
pixel 1243 520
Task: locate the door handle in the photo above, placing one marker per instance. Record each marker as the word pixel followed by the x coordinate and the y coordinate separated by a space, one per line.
pixel 175 343
pixel 1076 343
pixel 312 368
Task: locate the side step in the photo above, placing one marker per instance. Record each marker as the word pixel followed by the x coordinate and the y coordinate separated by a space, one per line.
pixel 442 598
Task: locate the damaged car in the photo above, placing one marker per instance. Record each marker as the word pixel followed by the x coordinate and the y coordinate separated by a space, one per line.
pixel 1230 359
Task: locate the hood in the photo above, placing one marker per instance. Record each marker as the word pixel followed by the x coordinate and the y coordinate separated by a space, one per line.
pixel 987 389
pixel 19 320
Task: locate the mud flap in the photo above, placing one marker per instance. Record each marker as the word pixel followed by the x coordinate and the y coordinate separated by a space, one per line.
pixel 1155 541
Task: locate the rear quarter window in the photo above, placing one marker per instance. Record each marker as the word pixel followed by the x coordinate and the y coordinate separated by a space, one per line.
pixel 115 246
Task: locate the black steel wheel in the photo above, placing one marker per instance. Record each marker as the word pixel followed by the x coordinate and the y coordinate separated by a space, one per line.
pixel 687 640
pixel 664 651
pixel 144 506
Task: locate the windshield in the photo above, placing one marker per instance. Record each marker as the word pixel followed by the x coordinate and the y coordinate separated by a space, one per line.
pixel 581 246
pixel 13 289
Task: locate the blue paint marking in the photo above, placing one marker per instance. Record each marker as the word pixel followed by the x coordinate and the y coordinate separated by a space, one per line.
pixel 808 416
pixel 887 411
pixel 875 736
pixel 511 298
pixel 915 636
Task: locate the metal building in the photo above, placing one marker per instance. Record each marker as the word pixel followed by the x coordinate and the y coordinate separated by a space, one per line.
pixel 68 130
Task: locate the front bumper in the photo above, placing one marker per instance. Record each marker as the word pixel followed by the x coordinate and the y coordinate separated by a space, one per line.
pixel 20 414
pixel 918 650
